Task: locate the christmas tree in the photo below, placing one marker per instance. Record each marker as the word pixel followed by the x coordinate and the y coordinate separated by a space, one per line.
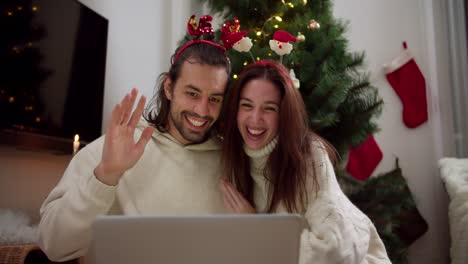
pixel 21 72
pixel 341 102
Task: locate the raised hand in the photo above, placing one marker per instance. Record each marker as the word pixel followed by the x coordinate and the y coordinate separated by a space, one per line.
pixel 120 151
pixel 234 201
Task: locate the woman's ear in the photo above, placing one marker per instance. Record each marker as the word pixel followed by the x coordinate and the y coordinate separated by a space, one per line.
pixel 168 87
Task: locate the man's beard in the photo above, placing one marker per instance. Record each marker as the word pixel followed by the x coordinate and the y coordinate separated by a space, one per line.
pixel 191 136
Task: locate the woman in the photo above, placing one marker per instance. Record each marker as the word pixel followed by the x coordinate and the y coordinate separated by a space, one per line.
pixel 279 166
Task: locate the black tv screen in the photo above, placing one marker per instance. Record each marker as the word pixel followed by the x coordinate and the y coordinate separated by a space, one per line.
pixel 52 69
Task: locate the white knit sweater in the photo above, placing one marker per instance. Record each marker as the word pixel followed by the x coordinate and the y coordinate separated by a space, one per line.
pixel 169 179
pixel 338 231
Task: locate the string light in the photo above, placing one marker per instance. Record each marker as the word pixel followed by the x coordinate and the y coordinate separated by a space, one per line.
pixel 19 8
pixel 259 33
pixel 304 2
pixel 245 63
pixel 11 99
pixel 269 54
pixel 34 8
pixel 291 5
pixel 9 13
pixel 275 26
pixel 38 119
pixel 234 76
pixel 278 18
pixel 258 58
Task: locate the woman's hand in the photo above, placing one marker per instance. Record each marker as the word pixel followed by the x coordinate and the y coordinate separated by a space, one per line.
pixel 234 201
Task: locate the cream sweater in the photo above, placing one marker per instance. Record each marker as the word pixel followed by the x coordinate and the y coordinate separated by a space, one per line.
pixel 338 232
pixel 169 179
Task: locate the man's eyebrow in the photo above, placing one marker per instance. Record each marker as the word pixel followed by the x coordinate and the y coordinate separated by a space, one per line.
pixel 193 87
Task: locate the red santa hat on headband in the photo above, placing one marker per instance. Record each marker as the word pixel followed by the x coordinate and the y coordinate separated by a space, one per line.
pixel 280 42
pixel 284 36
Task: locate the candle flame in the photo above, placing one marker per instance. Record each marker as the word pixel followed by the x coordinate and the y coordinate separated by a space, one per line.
pixel 77 138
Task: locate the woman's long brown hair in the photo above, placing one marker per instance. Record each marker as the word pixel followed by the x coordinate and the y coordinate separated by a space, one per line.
pixel 287 166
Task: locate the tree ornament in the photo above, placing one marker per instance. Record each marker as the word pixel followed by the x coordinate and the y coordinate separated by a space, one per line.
pixel 313 25
pixel 300 37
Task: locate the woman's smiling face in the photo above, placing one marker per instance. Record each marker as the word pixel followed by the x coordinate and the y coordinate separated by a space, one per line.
pixel 258 114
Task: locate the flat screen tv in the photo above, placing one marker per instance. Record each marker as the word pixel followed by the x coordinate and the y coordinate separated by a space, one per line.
pixel 52 72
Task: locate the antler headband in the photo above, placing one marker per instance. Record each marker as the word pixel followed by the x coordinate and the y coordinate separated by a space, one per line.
pixel 197 31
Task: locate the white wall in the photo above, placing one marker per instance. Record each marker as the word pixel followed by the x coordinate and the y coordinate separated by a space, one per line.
pixel 378 27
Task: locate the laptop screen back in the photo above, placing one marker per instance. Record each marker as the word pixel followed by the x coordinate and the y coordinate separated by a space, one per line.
pixel 246 239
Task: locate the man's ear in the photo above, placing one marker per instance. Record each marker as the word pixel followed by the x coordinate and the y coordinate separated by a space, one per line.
pixel 168 87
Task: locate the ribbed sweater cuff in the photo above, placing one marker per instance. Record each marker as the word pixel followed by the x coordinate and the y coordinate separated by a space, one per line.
pixel 100 192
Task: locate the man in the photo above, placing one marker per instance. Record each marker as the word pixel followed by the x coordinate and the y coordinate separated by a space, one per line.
pixel 171 170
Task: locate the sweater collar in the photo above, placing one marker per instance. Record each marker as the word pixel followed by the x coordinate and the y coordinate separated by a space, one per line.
pixel 263 152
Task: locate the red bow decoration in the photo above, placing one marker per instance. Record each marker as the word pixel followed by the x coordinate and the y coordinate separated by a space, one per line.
pixel 203 27
pixel 230 33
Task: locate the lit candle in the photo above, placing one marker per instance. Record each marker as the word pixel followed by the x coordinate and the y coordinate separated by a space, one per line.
pixel 76 144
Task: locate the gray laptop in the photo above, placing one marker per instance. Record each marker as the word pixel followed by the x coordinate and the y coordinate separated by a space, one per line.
pixel 246 239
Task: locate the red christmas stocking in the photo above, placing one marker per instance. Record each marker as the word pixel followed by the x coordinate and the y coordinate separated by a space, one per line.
pixel 404 76
pixel 364 159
